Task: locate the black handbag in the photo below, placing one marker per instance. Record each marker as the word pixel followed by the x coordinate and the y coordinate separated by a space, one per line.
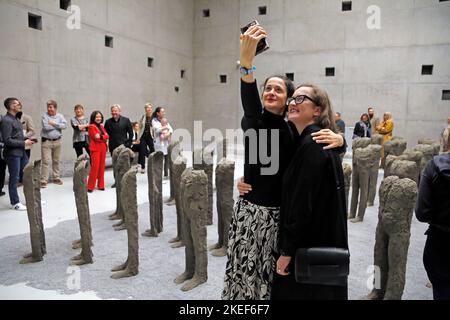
pixel 325 265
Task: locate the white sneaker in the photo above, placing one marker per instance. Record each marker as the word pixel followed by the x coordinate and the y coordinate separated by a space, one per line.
pixel 19 207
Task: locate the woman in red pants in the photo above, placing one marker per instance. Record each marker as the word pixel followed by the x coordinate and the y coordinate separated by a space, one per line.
pixel 98 146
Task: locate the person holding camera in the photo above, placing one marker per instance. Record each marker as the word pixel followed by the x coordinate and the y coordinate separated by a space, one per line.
pixel 255 222
pixel 14 149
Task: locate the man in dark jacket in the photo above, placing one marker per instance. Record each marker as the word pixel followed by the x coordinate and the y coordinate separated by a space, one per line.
pixel 119 129
pixel 433 207
pixel 14 150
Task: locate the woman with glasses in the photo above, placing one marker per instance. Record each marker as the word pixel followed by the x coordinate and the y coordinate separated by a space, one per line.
pixel 313 212
pixel 255 222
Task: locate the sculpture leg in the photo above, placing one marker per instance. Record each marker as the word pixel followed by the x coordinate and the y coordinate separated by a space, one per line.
pixel 381 263
pixel 189 251
pixel 200 251
pixel 398 256
pixel 364 192
pixel 373 180
pixel 355 192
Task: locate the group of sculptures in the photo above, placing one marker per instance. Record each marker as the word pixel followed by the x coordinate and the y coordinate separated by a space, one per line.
pixel 397 197
pixel 191 191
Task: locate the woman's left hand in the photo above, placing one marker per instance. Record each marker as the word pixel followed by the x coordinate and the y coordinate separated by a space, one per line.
pixel 282 265
pixel 326 136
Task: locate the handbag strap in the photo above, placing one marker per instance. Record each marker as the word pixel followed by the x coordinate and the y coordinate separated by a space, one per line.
pixel 341 203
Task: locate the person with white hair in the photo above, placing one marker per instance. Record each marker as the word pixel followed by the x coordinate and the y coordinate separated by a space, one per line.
pixel 119 129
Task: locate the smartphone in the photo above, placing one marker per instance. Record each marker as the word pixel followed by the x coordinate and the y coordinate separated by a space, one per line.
pixel 262 44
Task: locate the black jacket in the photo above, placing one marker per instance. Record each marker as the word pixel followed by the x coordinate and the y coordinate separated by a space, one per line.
pixel 120 132
pixel 313 210
pixel 266 189
pixel 433 202
pixel 359 130
pixel 12 135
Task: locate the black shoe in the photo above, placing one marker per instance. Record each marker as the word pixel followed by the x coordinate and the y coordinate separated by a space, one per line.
pixel 90 191
pixel 2 193
pixel 113 186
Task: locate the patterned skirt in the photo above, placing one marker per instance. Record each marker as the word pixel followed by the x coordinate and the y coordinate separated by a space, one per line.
pixel 251 252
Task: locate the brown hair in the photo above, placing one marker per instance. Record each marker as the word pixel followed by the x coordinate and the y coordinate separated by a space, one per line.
pixel 326 120
pixel 78 106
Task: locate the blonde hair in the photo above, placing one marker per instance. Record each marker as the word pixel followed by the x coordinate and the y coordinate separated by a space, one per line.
pixel 326 120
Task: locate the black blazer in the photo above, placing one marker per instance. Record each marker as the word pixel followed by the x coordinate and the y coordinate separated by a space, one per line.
pixel 313 211
pixel 120 132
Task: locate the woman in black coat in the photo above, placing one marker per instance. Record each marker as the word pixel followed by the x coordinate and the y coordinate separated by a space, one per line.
pixel 313 212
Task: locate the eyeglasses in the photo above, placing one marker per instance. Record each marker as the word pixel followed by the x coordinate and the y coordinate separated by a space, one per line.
pixel 299 100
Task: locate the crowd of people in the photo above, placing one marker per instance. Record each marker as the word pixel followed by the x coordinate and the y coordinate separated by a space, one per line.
pixel 91 135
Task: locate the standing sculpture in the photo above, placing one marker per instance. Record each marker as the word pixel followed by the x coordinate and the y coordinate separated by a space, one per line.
pixel 129 199
pixel 123 165
pixel 81 171
pixel 115 157
pixel 194 190
pixel 155 197
pixel 179 166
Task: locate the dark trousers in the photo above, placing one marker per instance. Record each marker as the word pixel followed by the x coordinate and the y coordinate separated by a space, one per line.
pixel 15 165
pixel 2 173
pixel 79 146
pixel 28 153
pixel 436 259
pixel 146 147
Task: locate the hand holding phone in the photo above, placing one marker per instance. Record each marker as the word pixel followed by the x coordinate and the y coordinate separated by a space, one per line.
pixel 262 44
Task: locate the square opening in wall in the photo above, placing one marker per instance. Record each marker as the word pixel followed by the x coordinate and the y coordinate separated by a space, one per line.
pixel 446 95
pixel 183 74
pixel 427 69
pixel 150 62
pixel 330 72
pixel 206 13
pixel 109 42
pixel 346 6
pixel 65 4
pixel 262 11
pixel 223 78
pixel 290 76
pixel 34 21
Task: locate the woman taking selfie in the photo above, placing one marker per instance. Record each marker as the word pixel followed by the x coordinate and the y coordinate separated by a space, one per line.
pixel 255 222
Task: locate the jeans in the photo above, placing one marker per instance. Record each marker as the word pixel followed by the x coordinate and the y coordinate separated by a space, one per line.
pixel 28 153
pixel 2 173
pixel 15 165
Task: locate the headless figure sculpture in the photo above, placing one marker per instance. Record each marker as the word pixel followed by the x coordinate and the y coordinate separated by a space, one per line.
pixel 129 200
pixel 82 167
pixel 194 190
pixel 177 170
pixel 203 160
pixel 347 169
pixel 115 157
pixel 397 200
pixel 173 151
pixel 363 160
pixel 155 198
pixel 32 191
pixel 123 165
pixel 224 199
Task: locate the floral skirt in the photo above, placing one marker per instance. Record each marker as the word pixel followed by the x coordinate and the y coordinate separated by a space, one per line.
pixel 251 252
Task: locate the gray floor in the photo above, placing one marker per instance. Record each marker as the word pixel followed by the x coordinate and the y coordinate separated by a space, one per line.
pixel 160 265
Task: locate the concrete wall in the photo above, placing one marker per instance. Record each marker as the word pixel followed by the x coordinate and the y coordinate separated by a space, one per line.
pixel 381 68
pixel 74 66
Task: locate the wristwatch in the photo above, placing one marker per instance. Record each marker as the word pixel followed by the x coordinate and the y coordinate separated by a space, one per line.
pixel 245 71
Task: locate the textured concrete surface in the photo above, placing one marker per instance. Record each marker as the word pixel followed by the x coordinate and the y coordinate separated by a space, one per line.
pixel 159 264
